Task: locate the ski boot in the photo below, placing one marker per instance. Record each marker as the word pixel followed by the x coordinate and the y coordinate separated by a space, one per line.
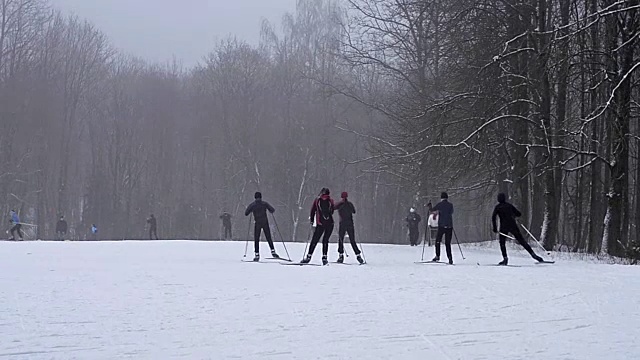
pixel 360 259
pixel 436 259
pixel 450 261
pixel 274 254
pixel 256 257
pixel 324 260
pixel 504 262
pixel 306 260
pixel 340 258
pixel 537 258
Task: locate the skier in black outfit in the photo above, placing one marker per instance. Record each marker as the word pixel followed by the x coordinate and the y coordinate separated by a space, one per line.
pixel 61 229
pixel 413 221
pixel 322 211
pixel 445 225
pixel 226 223
pixel 346 209
pixel 508 214
pixel 153 227
pixel 259 209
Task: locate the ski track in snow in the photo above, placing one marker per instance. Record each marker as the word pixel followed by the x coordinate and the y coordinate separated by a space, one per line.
pixel 197 300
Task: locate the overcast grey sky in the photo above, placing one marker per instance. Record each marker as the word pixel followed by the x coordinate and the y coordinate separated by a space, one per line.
pixel 158 29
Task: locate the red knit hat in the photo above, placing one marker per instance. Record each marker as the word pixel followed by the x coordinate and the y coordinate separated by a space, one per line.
pixel 344 195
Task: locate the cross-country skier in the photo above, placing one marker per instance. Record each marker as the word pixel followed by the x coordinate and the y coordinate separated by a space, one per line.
pixel 445 225
pixel 16 226
pixel 346 209
pixel 153 227
pixel 508 214
pixel 259 209
pixel 322 211
pixel 226 223
pixel 413 221
pixel 61 229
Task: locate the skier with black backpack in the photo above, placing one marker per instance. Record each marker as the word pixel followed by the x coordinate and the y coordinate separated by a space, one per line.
pixel 322 214
pixel 346 209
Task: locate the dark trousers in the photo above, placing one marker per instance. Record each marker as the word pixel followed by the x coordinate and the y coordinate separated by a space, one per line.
pixel 153 231
pixel 60 235
pixel 259 227
pixel 519 238
pixel 227 232
pixel 17 228
pixel 348 229
pixel 324 231
pixel 414 233
pixel 447 232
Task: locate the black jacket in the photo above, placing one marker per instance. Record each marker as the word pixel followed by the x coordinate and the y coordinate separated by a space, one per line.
pixel 445 213
pixel 259 209
pixel 61 226
pixel 346 209
pixel 226 219
pixel 413 219
pixel 507 214
pixel 152 222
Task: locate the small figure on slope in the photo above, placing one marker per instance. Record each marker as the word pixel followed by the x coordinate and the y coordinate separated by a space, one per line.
pixel 153 227
pixel 322 211
pixel 94 231
pixel 346 209
pixel 16 226
pixel 413 222
pixel 508 214
pixel 226 223
pixel 445 225
pixel 259 210
pixel 61 229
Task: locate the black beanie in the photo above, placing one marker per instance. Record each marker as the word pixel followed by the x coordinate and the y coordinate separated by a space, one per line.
pixel 258 195
pixel 444 195
pixel 502 198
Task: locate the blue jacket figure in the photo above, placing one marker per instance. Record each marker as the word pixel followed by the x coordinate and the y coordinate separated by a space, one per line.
pixel 16 226
pixel 94 231
pixel 445 225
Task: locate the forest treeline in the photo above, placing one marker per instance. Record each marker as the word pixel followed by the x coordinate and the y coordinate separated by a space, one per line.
pixel 393 101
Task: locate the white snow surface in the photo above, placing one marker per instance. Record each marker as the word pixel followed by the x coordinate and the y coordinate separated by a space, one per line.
pixel 197 300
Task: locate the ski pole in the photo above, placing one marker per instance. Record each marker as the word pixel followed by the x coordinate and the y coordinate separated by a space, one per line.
pixel 458 241
pixel 534 238
pixel 281 237
pixel 246 244
pixel 306 246
pixel 507 236
pixel 424 244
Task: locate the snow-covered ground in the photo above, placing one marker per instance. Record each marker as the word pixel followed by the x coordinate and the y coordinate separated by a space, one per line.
pixel 197 300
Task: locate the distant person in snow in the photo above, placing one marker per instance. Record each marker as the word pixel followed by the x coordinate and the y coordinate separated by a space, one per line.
pixel 445 225
pixel 322 215
pixel 153 227
pixel 61 229
pixel 259 210
pixel 508 214
pixel 346 209
pixel 226 223
pixel 94 232
pixel 16 226
pixel 413 222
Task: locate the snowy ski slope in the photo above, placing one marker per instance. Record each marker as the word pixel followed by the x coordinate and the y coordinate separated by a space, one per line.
pixel 197 300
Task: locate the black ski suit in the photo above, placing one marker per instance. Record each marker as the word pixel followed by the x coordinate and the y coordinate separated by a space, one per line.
pixel 322 210
pixel 153 227
pixel 226 223
pixel 508 214
pixel 445 226
pixel 413 220
pixel 61 229
pixel 259 209
pixel 346 209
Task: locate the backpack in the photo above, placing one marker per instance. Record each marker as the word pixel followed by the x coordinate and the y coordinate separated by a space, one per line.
pixel 324 207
